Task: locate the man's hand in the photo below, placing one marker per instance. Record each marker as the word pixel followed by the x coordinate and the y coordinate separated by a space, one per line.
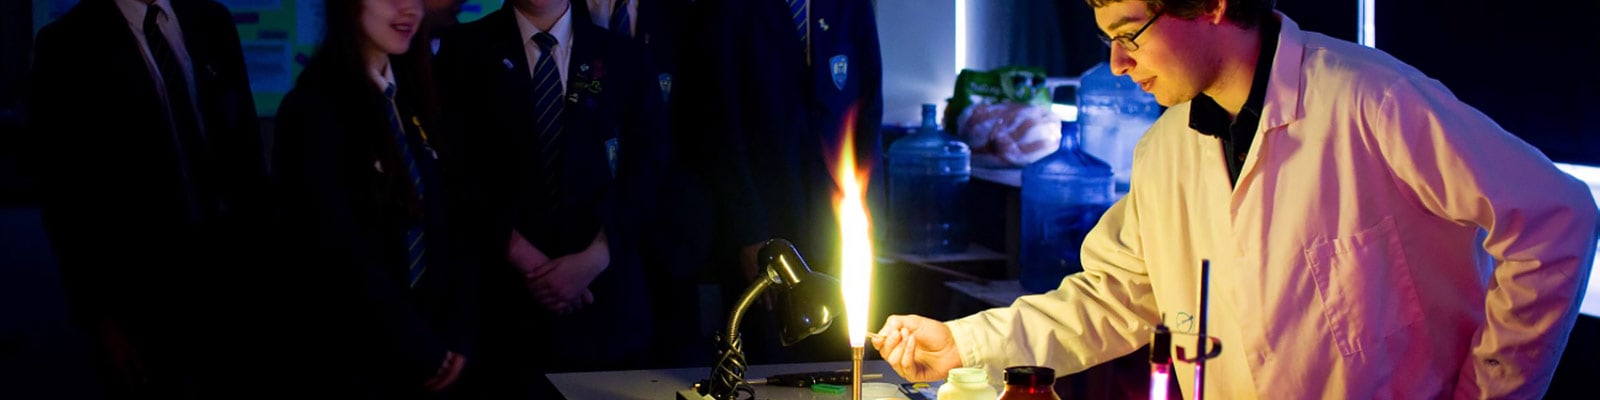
pixel 918 348
pixel 533 263
pixel 564 289
pixel 523 255
pixel 562 285
pixel 447 373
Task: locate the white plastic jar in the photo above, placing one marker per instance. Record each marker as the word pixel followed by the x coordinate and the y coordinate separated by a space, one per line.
pixel 967 384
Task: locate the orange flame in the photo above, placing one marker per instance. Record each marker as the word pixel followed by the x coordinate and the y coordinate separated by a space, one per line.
pixel 854 234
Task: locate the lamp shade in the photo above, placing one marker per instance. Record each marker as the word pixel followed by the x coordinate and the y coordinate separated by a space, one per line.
pixel 807 300
pixel 807 309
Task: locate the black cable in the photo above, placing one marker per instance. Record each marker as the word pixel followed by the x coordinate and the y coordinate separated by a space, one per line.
pixel 727 378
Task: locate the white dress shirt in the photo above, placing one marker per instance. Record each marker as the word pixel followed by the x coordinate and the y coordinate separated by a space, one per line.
pixel 133 11
pixel 383 78
pixel 562 30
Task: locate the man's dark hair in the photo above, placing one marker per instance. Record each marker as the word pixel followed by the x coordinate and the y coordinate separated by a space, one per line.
pixel 1246 13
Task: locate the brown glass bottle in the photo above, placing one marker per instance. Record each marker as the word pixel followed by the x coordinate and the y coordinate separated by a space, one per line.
pixel 1029 383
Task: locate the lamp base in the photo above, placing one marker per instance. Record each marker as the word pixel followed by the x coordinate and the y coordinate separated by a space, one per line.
pixel 691 394
pixel 727 376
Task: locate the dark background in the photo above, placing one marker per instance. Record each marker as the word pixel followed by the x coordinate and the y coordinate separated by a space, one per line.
pixel 1532 69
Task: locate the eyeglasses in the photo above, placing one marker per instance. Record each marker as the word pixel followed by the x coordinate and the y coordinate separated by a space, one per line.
pixel 1126 41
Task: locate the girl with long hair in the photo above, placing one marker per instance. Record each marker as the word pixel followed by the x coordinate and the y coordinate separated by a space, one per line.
pixel 366 209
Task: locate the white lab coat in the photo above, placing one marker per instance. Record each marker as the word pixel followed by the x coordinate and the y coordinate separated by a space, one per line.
pixel 1346 263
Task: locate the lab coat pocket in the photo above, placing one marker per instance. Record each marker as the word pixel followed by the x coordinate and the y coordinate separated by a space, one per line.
pixel 1365 286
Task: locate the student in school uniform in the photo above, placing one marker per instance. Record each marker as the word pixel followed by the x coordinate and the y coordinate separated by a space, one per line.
pixel 384 291
pixel 142 128
pixel 536 92
pixel 668 204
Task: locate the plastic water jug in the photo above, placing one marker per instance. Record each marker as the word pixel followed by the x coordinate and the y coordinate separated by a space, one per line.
pixel 928 176
pixel 1063 196
pixel 1113 113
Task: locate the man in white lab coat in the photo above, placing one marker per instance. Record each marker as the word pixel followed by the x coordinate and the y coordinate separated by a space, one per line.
pixel 1338 193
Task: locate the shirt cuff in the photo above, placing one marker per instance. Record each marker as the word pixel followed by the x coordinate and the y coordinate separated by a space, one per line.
pixel 969 344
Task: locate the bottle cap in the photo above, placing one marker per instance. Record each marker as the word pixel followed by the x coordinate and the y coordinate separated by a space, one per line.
pixel 969 375
pixel 1161 345
pixel 1030 376
pixel 880 390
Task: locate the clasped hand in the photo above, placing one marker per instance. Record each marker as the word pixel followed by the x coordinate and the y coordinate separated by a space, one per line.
pixel 560 285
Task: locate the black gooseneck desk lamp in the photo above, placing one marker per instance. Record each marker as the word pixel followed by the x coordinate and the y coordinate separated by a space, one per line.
pixel 806 304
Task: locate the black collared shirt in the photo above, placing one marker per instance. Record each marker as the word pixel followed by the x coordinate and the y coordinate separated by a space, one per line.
pixel 1206 116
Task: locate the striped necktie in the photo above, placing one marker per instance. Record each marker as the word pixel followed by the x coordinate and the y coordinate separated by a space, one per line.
pixel 798 11
pixel 416 246
pixel 547 104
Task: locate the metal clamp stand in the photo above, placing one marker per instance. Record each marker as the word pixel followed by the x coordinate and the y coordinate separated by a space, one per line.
pixel 1201 353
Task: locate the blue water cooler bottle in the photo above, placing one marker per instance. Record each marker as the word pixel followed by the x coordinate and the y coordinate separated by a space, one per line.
pixel 1113 113
pixel 1063 196
pixel 928 175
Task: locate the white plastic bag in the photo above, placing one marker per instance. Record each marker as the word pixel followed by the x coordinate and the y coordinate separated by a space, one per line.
pixel 1009 135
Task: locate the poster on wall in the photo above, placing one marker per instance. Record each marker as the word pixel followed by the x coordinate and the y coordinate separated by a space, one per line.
pixel 471 10
pixel 251 5
pixel 271 65
pixel 308 22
